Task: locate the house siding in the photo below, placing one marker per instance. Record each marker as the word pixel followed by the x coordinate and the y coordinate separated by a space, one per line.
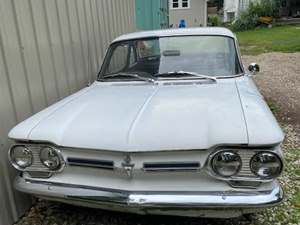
pixel 234 7
pixel 48 50
pixel 195 16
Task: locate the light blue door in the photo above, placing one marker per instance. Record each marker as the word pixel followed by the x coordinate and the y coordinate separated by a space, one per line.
pixel 152 14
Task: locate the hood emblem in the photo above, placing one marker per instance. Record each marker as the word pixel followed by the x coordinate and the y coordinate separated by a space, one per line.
pixel 128 166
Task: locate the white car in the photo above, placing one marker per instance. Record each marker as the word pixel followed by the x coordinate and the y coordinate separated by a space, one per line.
pixel 173 125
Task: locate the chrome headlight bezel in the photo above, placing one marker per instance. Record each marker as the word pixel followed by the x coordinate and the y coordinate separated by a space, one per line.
pixel 13 160
pixel 228 153
pixel 37 165
pixel 245 174
pixel 54 153
pixel 270 154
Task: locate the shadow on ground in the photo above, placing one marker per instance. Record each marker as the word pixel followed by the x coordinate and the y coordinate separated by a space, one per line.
pixel 51 213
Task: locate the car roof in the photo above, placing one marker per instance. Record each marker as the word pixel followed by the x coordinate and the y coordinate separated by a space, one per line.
pixel 218 31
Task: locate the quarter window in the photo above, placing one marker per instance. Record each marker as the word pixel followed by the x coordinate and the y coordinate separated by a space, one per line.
pixel 179 4
pixel 118 60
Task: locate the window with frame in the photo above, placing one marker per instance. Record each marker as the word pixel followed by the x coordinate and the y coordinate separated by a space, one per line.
pixel 179 4
pixel 208 55
pixel 119 59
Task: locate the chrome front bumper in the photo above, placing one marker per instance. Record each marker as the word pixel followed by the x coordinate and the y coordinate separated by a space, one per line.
pixel 204 204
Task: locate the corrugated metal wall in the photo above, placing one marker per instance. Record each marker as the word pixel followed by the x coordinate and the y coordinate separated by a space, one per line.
pixel 48 50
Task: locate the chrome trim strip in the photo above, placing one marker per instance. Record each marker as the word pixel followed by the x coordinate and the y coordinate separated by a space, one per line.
pixel 177 200
pixel 171 166
pixel 94 163
pixel 214 147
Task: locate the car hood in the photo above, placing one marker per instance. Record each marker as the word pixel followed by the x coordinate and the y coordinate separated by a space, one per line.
pixel 137 116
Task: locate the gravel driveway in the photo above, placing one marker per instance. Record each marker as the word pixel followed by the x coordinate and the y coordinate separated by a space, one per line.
pixel 279 82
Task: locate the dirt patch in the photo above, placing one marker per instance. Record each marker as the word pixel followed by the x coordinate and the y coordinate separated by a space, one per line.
pixel 51 213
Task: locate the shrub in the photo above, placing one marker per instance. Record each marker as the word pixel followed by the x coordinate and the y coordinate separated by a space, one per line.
pixel 249 18
pixel 215 21
pixel 265 8
pixel 245 21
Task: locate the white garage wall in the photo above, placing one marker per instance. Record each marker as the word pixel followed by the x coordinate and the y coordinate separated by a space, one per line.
pixel 44 57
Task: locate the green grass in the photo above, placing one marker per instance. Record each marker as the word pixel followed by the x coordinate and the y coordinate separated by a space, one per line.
pixel 289 211
pixel 276 39
pixel 274 107
pixel 292 188
pixel 297 200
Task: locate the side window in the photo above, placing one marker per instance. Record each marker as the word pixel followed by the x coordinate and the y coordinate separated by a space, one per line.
pixel 119 59
pixel 148 48
pixel 132 57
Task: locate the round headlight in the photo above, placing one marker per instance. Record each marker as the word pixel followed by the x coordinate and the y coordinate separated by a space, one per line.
pixel 50 158
pixel 266 165
pixel 21 156
pixel 226 163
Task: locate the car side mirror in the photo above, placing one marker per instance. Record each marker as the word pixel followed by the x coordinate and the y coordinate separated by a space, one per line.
pixel 253 68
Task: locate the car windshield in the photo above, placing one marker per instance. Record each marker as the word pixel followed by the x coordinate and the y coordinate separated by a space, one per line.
pixel 206 55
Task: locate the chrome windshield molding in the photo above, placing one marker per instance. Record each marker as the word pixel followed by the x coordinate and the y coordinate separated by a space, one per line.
pixel 139 199
pixel 238 52
pixel 231 76
pixel 37 165
pixel 247 176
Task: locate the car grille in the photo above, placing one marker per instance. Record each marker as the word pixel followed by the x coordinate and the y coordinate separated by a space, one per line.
pixel 37 165
pixel 145 164
pixel 114 161
pixel 245 172
pixel 246 158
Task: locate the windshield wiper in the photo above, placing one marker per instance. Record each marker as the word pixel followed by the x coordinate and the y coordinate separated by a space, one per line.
pixel 134 75
pixel 187 73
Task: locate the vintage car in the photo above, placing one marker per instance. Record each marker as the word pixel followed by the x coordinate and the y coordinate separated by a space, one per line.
pixel 173 125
